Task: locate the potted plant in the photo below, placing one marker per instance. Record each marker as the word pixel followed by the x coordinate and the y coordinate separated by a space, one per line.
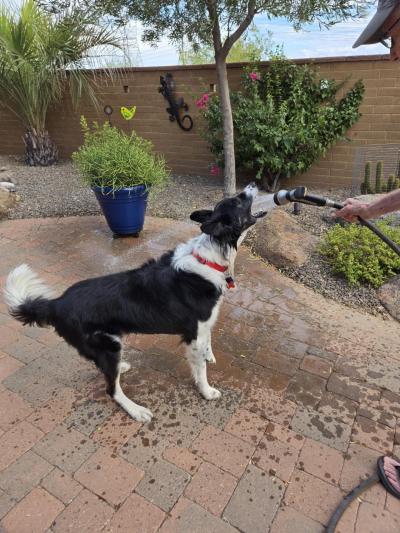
pixel 120 168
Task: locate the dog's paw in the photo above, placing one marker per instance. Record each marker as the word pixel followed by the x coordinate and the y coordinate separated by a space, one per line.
pixel 124 367
pixel 211 394
pixel 210 357
pixel 141 414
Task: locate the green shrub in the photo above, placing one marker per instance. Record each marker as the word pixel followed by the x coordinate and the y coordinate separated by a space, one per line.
pixel 284 119
pixel 359 255
pixel 112 158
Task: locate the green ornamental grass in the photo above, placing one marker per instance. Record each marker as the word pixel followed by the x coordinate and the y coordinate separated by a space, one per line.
pixel 112 158
pixel 356 253
pixel 41 56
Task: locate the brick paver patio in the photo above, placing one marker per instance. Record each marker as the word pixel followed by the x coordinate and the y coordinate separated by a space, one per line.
pixel 311 399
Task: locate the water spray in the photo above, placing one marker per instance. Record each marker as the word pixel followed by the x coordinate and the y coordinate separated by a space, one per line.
pixel 300 195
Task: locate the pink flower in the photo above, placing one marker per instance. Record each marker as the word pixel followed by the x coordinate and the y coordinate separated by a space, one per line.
pixel 254 76
pixel 202 101
pixel 214 170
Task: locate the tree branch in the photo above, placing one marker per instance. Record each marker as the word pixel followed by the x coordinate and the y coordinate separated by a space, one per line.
pixel 216 31
pixel 229 42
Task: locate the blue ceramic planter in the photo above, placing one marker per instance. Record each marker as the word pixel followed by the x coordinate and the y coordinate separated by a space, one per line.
pixel 124 209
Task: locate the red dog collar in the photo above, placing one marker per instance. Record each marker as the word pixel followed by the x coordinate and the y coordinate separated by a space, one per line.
pixel 215 266
pixel 229 280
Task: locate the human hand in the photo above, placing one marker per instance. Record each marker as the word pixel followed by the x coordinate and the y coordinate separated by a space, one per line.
pixel 351 210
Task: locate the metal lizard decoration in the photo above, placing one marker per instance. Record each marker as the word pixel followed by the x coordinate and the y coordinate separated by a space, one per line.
pixel 167 89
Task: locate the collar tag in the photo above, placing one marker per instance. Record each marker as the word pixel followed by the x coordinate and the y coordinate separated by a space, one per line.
pixel 230 282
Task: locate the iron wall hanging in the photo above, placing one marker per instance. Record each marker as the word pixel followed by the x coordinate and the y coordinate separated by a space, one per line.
pixel 167 89
pixel 108 110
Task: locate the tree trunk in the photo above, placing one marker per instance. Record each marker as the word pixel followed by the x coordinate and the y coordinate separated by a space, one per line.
pixel 270 182
pixel 229 146
pixel 40 150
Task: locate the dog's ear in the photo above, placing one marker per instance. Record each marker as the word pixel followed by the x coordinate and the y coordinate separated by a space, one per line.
pixel 201 216
pixel 221 228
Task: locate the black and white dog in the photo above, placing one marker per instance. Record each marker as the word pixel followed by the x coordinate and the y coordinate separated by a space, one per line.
pixel 179 293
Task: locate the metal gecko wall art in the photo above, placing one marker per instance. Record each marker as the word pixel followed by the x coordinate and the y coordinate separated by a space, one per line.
pixel 167 89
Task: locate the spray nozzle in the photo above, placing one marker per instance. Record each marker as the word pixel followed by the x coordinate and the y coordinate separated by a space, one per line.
pixel 283 196
pixel 300 194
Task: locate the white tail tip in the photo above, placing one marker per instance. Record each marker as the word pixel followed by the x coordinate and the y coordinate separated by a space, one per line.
pixel 23 284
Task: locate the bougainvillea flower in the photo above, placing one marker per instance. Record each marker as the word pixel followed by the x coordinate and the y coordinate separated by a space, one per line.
pixel 255 76
pixel 214 170
pixel 202 101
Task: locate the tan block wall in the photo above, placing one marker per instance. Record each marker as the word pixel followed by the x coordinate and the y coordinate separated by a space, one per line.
pixel 187 152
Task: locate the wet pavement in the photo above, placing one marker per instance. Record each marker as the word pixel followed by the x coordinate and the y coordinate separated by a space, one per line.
pixel 311 398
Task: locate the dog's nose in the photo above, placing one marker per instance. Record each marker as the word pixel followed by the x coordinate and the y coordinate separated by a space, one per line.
pixel 251 189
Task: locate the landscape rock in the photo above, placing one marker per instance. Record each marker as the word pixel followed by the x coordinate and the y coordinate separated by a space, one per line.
pixel 389 295
pixel 8 199
pixel 7 176
pixel 282 241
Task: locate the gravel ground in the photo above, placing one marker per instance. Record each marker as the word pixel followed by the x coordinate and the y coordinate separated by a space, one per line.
pixel 57 191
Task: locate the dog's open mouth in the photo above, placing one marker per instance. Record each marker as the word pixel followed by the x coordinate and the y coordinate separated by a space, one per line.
pixel 260 214
pixel 262 205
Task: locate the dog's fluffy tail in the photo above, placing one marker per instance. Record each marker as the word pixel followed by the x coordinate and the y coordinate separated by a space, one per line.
pixel 27 297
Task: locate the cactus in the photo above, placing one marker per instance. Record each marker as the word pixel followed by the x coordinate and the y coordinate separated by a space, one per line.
pixel 366 185
pixel 390 183
pixel 379 177
pixel 396 183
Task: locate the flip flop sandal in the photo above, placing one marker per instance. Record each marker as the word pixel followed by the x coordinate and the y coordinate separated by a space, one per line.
pixel 385 480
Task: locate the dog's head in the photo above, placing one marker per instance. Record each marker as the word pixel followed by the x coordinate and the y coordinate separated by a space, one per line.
pixel 230 219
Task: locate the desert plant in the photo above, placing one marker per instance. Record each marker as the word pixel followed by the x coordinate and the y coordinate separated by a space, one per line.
pixel 112 158
pixel 379 177
pixel 396 183
pixel 284 119
pixel 366 184
pixel 40 56
pixel 390 183
pixel 356 253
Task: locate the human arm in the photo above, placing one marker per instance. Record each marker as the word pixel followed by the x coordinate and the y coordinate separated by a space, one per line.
pixel 354 208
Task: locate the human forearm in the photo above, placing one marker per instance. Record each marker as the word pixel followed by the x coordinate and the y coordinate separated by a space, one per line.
pixel 386 204
pixel 354 208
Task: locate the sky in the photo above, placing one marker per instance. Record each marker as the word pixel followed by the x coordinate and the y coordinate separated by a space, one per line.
pixel 308 43
pixel 312 42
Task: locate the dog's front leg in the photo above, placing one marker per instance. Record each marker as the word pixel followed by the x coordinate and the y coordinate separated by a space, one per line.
pixel 196 354
pixel 209 355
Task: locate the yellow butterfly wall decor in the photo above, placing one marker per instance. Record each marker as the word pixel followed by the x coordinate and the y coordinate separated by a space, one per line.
pixel 128 112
